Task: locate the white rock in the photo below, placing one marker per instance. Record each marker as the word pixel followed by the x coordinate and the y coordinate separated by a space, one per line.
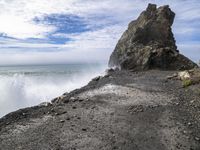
pixel 61 97
pixel 184 75
pixel 44 104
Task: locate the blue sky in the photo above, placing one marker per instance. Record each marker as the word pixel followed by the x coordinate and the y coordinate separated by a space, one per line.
pixel 71 31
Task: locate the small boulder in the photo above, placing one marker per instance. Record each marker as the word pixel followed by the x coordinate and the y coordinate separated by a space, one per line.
pixel 96 78
pixel 108 71
pixel 61 97
pixel 66 93
pixel 184 75
pixel 72 99
pixel 45 104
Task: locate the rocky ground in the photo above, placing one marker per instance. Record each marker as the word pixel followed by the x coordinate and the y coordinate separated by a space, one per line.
pixel 123 110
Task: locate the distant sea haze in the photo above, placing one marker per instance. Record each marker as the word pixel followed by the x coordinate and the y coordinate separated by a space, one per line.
pixel 24 86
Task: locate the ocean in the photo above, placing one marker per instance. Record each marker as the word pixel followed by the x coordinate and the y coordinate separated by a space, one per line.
pixel 25 86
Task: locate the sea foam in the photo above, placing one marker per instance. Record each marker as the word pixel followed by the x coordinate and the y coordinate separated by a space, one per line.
pixel 26 88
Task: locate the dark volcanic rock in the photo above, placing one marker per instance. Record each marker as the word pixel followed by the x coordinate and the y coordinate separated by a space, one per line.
pixel 148 43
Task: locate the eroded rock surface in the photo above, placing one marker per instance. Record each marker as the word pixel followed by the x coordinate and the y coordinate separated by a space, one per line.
pixel 148 43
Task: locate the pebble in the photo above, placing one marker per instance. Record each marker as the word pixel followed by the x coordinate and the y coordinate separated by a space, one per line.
pixel 197 138
pixel 106 76
pixel 93 107
pixel 185 132
pixel 140 110
pixel 84 129
pixel 97 78
pixel 61 97
pixel 74 107
pixel 80 100
pixel 176 103
pixel 64 112
pixel 66 93
pixel 72 99
pixel 61 121
pixel 192 101
pixel 66 100
pixel 112 113
pixel 153 106
pixel 23 114
pixel 45 104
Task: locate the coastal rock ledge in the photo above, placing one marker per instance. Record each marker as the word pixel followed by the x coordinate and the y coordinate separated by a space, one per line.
pixel 149 43
pixel 125 109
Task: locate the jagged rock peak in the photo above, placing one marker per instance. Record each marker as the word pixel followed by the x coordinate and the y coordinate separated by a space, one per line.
pixel 149 43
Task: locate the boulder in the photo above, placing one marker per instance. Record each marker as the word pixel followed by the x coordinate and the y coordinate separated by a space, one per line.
pixel 44 104
pixel 184 75
pixel 149 43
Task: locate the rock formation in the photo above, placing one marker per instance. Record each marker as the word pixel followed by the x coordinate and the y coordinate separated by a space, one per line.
pixel 148 43
pixel 123 110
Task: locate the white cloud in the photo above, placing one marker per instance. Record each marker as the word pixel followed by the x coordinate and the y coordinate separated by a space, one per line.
pixel 17 16
pixel 16 43
pixel 91 46
pixel 99 39
pixel 17 27
pixel 96 45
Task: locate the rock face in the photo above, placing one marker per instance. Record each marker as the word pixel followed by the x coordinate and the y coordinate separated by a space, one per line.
pixel 148 43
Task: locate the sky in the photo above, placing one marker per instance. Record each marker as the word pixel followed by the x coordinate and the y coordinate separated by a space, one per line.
pixel 78 31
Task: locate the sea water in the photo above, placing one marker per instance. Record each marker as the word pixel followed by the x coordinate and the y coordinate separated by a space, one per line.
pixel 24 86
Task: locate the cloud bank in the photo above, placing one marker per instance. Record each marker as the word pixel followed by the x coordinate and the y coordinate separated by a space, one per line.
pixel 70 31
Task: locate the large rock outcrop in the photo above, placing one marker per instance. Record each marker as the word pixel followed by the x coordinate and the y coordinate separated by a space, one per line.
pixel 148 43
